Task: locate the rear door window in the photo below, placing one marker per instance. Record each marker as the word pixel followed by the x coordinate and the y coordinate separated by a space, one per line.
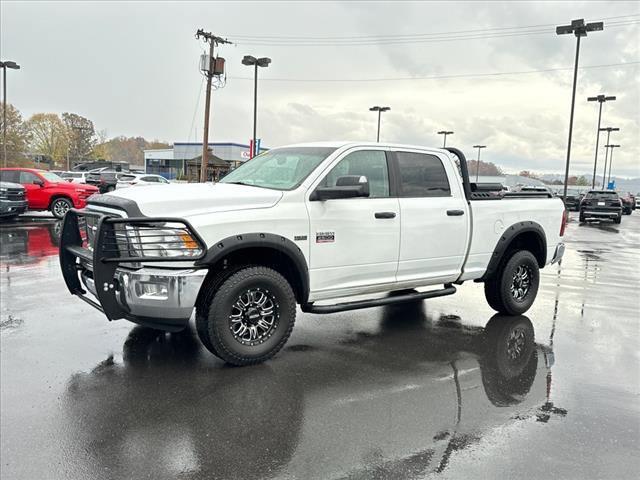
pixel 422 175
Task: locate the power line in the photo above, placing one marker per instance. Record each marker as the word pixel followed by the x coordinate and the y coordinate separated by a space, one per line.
pixel 195 110
pixel 274 40
pixel 437 77
pixel 278 43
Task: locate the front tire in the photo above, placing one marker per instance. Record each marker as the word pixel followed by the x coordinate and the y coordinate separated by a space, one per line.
pixel 249 316
pixel 60 206
pixel 514 287
pixel 618 219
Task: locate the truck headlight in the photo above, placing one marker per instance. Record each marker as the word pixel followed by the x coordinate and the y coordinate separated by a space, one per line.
pixel 147 242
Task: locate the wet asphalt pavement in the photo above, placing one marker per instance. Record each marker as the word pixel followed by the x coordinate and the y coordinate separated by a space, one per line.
pixel 416 391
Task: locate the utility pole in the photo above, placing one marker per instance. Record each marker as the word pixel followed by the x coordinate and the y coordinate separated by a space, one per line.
pixel 606 153
pixel 610 161
pixel 579 29
pixel 79 128
pixel 479 147
pixel 445 133
pixel 379 110
pixel 4 66
pixel 601 99
pixel 210 70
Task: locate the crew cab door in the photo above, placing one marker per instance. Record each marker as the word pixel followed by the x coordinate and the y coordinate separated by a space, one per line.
pixel 433 217
pixel 354 242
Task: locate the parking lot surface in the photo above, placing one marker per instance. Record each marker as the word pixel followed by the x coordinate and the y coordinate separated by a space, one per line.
pixel 414 391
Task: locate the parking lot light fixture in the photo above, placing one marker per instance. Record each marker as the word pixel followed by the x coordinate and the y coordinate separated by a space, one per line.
pixel 479 147
pixel 610 161
pixel 255 62
pixel 579 29
pixel 379 110
pixel 445 133
pixel 606 151
pixel 4 66
pixel 600 99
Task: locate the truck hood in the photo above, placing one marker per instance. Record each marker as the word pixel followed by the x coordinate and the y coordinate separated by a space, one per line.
pixel 183 200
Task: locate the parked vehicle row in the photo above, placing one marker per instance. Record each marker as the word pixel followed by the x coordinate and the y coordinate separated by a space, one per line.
pixel 47 191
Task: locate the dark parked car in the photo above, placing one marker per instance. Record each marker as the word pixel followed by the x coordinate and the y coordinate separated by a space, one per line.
pixel 599 204
pixel 13 200
pixel 628 203
pixel 574 197
pixel 105 180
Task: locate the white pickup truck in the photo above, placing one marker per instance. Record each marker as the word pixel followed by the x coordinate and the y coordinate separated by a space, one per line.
pixel 310 224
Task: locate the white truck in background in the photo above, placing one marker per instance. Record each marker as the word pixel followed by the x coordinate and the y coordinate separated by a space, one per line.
pixel 309 224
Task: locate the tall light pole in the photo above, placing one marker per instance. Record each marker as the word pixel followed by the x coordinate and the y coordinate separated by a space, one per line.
pixel 478 161
pixel 379 110
pixel 4 66
pixel 601 99
pixel 606 152
pixel 445 133
pixel 579 29
pixel 257 62
pixel 610 161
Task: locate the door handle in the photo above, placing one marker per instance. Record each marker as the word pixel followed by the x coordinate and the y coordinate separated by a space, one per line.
pixel 455 213
pixel 385 214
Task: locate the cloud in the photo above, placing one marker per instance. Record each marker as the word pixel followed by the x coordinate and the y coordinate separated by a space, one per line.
pixel 134 72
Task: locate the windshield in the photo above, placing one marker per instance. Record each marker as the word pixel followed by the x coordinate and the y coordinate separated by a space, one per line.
pixel 51 177
pixel 280 169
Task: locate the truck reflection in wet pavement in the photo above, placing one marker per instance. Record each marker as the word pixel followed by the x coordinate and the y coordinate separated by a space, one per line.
pixel 28 241
pixel 394 404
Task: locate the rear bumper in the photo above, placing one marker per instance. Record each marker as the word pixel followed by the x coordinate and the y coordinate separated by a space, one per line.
pixel 601 213
pixel 558 254
pixel 13 207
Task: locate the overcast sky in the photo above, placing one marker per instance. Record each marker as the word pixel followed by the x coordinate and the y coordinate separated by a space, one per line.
pixel 132 68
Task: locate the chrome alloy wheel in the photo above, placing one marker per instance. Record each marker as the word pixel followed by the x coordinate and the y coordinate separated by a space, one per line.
pixel 254 316
pixel 60 207
pixel 521 283
pixel 516 343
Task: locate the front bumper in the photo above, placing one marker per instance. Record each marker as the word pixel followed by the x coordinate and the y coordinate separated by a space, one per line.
pixel 123 288
pixel 166 296
pixel 13 207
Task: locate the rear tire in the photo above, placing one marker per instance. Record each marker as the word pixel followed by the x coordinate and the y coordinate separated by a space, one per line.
pixel 514 287
pixel 60 206
pixel 247 318
pixel 581 218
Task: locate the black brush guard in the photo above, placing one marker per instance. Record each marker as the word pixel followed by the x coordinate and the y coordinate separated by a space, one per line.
pixel 105 258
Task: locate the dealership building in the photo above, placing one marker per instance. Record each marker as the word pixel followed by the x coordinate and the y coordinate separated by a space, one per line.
pixel 183 159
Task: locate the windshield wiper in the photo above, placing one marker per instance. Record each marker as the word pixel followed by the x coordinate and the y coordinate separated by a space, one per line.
pixel 241 183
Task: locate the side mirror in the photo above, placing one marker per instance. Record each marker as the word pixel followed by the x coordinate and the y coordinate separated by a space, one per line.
pixel 39 181
pixel 347 186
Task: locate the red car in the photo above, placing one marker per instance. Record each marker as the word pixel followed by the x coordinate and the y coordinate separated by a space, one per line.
pixel 47 191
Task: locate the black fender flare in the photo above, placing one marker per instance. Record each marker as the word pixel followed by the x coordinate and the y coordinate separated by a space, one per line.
pixel 279 243
pixel 505 240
